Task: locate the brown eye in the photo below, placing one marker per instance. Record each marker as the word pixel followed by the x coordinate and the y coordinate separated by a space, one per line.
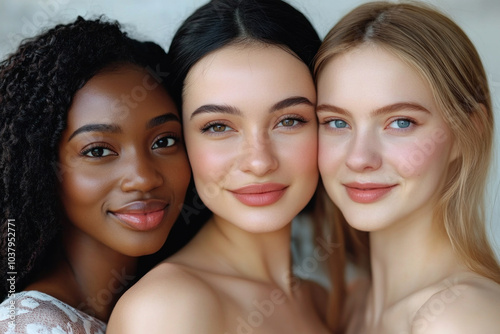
pixel 216 127
pixel 98 152
pixel 219 128
pixel 288 122
pixel 164 142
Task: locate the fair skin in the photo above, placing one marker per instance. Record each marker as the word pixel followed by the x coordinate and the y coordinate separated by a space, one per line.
pixel 124 174
pixel 250 130
pixel 384 153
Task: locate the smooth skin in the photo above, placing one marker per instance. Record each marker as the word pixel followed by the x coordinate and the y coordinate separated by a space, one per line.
pixel 384 154
pixel 249 119
pixel 116 156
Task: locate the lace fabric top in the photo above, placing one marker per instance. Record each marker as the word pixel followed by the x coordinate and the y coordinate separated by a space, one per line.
pixel 34 312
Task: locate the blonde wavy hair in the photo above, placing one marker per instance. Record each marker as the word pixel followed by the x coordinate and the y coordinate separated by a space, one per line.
pixel 443 55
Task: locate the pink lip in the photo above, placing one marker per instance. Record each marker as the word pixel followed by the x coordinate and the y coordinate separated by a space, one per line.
pixel 367 192
pixel 260 194
pixel 142 215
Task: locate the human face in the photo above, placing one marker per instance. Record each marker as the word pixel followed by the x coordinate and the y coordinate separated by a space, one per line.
pixel 251 135
pixel 123 165
pixel 384 148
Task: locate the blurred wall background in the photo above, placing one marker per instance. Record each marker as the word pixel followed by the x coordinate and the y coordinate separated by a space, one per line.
pixel 157 20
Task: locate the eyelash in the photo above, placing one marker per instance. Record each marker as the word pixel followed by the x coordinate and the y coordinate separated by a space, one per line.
pixel 173 136
pixel 297 118
pixel 104 146
pixel 88 149
pixel 211 124
pixel 410 120
pixel 327 122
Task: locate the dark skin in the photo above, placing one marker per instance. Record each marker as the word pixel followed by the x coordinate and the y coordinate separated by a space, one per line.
pixel 124 175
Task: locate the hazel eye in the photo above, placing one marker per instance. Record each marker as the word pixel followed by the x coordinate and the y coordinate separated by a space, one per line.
pixel 219 128
pixel 288 122
pixel 216 128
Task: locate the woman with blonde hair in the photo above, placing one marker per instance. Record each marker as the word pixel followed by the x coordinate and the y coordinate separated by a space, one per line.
pixel 405 143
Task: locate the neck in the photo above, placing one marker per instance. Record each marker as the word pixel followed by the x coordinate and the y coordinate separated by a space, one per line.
pixel 406 258
pixel 96 274
pixel 263 257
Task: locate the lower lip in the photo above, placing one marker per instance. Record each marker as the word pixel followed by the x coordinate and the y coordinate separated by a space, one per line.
pixel 367 195
pixel 260 199
pixel 142 221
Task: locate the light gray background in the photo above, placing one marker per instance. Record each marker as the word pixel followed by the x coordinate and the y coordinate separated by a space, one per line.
pixel 157 20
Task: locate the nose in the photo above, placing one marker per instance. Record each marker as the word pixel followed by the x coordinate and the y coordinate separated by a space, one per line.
pixel 257 155
pixel 364 152
pixel 141 174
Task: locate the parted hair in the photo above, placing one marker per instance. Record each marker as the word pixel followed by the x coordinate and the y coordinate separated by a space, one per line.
pixel 224 22
pixel 438 49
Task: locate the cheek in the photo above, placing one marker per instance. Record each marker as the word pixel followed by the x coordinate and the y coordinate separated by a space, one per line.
pixel 81 189
pixel 210 161
pixel 177 172
pixel 426 154
pixel 303 154
pixel 330 155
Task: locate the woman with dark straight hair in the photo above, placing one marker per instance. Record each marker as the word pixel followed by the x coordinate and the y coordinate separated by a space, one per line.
pixel 248 98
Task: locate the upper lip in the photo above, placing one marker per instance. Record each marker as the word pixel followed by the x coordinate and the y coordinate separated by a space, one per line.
pixel 368 186
pixel 259 188
pixel 142 206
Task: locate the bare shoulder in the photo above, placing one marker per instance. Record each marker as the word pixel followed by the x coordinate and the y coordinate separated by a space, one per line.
pixel 169 299
pixel 466 304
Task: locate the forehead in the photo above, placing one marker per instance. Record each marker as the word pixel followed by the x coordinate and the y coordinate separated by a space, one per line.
pixel 374 73
pixel 251 72
pixel 116 94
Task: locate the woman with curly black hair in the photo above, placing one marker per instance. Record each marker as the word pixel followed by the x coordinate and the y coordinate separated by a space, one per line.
pixel 93 173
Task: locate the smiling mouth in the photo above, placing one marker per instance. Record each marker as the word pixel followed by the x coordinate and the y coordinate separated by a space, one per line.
pixel 367 193
pixel 142 221
pixel 260 194
pixel 142 215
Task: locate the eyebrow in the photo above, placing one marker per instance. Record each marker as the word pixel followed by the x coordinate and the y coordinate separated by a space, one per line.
pixel 162 119
pixel 216 108
pixel 110 128
pixel 383 110
pixel 291 102
pixel 225 109
pixel 113 128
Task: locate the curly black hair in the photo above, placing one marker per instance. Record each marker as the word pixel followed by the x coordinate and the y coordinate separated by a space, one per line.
pixel 37 85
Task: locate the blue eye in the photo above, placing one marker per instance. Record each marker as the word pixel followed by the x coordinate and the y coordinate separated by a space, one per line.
pixel 164 142
pixel 401 124
pixel 338 124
